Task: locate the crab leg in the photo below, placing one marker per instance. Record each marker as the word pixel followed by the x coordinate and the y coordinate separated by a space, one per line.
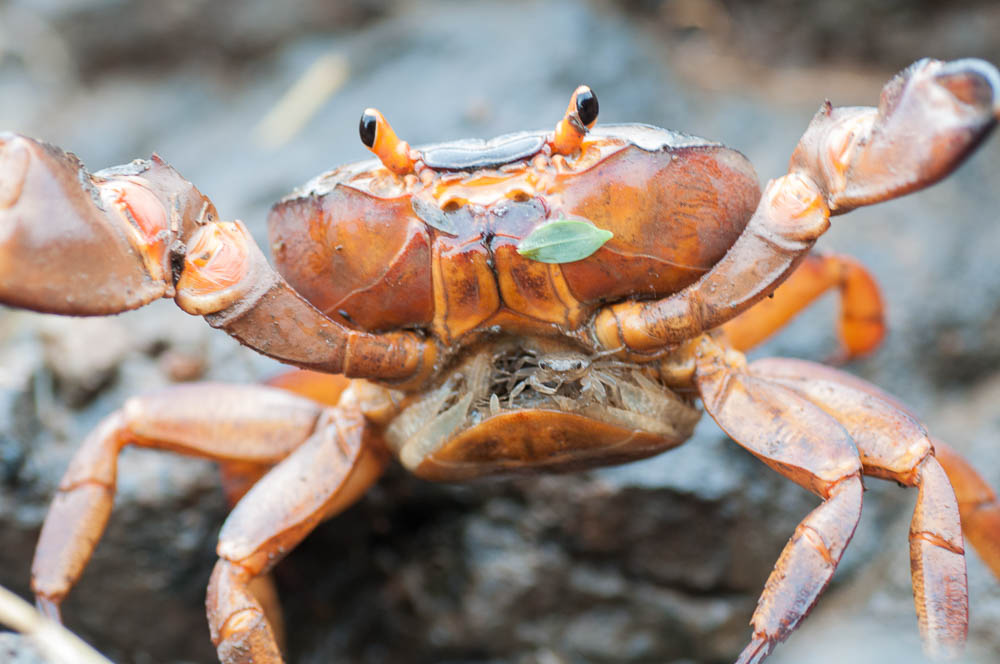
pixel 86 244
pixel 803 443
pixel 239 476
pixel 861 323
pixel 977 503
pixel 931 116
pixel 894 446
pixel 222 422
pixel 325 475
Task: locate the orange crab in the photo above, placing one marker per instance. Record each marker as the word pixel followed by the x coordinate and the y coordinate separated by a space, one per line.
pixel 544 301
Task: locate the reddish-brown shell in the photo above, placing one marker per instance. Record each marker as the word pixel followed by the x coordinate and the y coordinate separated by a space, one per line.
pixel 355 246
pixel 539 440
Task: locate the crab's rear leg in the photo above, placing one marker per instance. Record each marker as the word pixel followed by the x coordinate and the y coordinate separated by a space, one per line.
pixel 228 423
pixel 861 326
pixel 861 321
pixel 803 443
pixel 930 118
pixel 325 475
pixel 977 503
pixel 238 476
pixel 894 446
pixel 85 244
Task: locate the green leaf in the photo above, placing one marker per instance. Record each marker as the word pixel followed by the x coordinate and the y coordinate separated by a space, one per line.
pixel 563 241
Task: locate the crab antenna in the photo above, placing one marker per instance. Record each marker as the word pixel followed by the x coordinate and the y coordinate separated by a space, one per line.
pixel 581 114
pixel 379 137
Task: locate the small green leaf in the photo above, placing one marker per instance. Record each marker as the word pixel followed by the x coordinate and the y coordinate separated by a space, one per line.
pixel 563 241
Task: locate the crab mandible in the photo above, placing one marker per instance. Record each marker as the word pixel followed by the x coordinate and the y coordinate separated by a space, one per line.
pixel 545 301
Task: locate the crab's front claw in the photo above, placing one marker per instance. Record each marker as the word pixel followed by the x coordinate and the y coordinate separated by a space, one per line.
pixel 930 117
pixel 82 244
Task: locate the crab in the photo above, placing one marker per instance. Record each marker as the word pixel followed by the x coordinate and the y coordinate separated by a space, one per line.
pixel 544 301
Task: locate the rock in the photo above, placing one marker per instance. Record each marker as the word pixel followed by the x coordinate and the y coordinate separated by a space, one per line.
pixel 16 649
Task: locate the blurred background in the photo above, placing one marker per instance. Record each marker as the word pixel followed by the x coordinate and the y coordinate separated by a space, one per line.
pixel 658 561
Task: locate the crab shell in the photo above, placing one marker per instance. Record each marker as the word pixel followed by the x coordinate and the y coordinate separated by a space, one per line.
pixel 437 251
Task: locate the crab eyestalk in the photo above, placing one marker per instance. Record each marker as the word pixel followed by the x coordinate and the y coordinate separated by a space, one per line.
pixel 378 136
pixel 581 115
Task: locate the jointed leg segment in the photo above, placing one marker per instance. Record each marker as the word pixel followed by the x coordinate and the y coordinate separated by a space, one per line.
pixel 861 323
pixel 323 458
pixel 977 503
pixel 800 441
pixel 820 427
pixel 321 478
pixel 894 446
pixel 220 422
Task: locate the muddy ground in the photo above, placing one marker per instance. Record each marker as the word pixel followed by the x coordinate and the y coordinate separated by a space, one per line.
pixel 659 561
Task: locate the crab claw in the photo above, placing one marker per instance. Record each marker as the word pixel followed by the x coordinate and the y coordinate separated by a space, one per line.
pixel 82 244
pixel 930 117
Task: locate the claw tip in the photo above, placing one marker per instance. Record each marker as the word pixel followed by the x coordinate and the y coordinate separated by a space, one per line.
pixel 973 81
pixel 14 159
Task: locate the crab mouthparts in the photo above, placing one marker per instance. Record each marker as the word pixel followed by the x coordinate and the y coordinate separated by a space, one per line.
pixel 518 376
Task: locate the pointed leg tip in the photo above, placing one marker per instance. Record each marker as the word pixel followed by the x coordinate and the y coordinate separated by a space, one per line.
pixel 48 608
pixel 756 651
pixel 945 651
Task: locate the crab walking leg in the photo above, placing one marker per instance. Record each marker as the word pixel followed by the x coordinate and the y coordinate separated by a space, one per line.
pixel 322 388
pixel 222 422
pixel 239 476
pixel 84 244
pixel 977 503
pixel 930 117
pixel 800 441
pixel 326 389
pixel 894 446
pixel 325 475
pixel 860 324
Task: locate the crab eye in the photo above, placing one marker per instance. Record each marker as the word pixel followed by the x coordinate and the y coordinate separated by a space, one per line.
pixel 586 106
pixel 581 114
pixel 369 122
pixel 379 137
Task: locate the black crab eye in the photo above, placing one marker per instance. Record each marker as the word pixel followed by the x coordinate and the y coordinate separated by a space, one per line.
pixel 367 128
pixel 586 106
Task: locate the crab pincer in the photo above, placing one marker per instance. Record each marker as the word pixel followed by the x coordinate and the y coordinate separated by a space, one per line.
pixel 929 118
pixel 81 244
